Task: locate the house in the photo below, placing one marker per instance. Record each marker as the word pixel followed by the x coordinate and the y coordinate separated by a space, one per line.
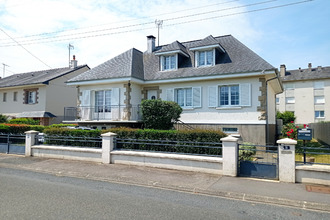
pixel 219 82
pixel 41 95
pixel 306 93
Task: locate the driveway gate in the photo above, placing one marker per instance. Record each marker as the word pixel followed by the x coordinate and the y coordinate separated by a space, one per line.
pixel 12 143
pixel 258 161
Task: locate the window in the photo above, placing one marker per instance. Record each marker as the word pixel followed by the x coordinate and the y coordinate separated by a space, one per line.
pixel 30 96
pixel 205 58
pixel 183 97
pixel 103 101
pixel 277 100
pixel 288 86
pixel 15 97
pixel 290 100
pixel 229 95
pixel 318 85
pixel 4 98
pixel 319 100
pixel 230 130
pixel 168 62
pixel 319 114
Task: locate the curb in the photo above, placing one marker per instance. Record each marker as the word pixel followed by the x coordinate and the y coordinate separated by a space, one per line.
pixel 224 194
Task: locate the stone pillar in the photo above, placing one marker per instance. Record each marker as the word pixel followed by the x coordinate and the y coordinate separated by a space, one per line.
pixel 229 156
pixel 287 160
pixel 30 141
pixel 107 146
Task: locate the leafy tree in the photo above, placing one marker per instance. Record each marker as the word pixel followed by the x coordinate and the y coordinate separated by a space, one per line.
pixel 158 114
pixel 3 118
pixel 287 117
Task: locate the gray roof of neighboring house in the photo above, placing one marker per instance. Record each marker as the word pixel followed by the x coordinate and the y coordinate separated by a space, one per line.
pixel 36 77
pixel 145 66
pixel 307 74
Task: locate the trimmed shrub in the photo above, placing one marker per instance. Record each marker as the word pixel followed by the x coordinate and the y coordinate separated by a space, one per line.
pixel 25 121
pixel 158 114
pixel 3 118
pixel 287 117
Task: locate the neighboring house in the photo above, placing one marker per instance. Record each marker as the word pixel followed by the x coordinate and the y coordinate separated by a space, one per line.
pixel 306 93
pixel 40 95
pixel 219 82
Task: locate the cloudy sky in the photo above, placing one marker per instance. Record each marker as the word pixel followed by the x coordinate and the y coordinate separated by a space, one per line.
pixel 35 34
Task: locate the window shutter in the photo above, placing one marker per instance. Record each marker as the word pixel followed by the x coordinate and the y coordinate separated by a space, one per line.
pixel 197 96
pixel 115 96
pixel 213 96
pixel 115 101
pixel 86 99
pixel 170 95
pixel 196 58
pixel 245 94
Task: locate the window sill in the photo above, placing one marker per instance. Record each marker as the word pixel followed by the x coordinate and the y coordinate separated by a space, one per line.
pixel 228 108
pixel 187 108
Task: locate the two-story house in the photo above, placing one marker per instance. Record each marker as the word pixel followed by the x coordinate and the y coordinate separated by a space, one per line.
pixel 219 82
pixel 306 93
pixel 41 95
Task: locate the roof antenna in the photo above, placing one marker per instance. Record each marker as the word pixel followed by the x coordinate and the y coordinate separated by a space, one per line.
pixel 159 24
pixel 4 69
pixel 70 47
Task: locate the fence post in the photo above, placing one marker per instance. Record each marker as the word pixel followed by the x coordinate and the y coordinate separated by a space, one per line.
pixel 287 160
pixel 229 156
pixel 107 146
pixel 30 137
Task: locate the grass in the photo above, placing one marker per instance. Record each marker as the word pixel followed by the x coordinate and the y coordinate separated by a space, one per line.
pixel 319 158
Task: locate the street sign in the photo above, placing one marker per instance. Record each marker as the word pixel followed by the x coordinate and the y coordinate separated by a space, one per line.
pixel 305 134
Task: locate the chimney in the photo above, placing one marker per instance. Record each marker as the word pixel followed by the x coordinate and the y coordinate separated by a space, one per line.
pixel 282 70
pixel 151 43
pixel 74 62
pixel 310 67
pixel 319 68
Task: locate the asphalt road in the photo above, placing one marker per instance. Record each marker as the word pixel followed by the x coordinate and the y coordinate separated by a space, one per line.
pixel 30 195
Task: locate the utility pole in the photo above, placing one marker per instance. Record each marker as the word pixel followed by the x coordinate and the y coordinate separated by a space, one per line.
pixel 4 69
pixel 70 47
pixel 159 24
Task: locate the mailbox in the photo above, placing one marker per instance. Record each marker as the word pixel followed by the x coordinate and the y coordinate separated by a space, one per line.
pixel 304 134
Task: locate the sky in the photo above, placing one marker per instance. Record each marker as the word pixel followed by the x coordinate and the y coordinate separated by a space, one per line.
pixel 35 34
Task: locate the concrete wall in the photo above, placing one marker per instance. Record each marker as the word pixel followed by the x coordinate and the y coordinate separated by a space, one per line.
pixel 317 174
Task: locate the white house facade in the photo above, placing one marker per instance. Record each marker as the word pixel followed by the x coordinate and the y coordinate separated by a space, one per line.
pixel 219 83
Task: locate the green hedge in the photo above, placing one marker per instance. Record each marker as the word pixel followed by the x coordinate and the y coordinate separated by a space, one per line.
pixel 19 128
pixel 25 121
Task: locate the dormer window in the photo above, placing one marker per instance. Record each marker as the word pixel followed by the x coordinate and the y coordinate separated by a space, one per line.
pixel 169 62
pixel 205 58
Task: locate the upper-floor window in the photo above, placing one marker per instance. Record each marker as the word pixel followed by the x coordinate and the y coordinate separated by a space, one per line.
pixel 15 97
pixel 103 101
pixel 288 86
pixel 290 100
pixel 319 100
pixel 277 100
pixel 4 98
pixel 205 58
pixel 169 62
pixel 30 96
pixel 319 114
pixel 318 85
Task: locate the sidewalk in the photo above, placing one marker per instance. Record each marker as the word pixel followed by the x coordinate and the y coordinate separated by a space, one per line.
pixel 253 190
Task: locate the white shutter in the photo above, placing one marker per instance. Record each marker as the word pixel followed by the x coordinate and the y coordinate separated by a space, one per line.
pixel 213 96
pixel 86 105
pixel 115 101
pixel 197 96
pixel 170 95
pixel 245 94
pixel 196 58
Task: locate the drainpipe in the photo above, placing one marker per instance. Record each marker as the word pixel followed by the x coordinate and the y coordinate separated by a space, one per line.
pixel 267 124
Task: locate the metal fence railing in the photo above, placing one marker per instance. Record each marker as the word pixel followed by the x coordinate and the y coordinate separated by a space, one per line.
pixel 170 146
pixel 313 155
pixel 12 143
pixel 258 153
pixel 74 141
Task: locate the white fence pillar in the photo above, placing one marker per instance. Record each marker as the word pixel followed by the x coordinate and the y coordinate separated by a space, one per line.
pixel 30 141
pixel 229 156
pixel 107 146
pixel 287 160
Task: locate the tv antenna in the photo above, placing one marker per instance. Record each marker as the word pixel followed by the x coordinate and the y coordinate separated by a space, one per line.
pixel 159 24
pixel 70 47
pixel 4 69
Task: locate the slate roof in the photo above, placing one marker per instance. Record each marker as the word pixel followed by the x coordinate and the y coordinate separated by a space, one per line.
pixel 36 77
pixel 145 66
pixel 306 74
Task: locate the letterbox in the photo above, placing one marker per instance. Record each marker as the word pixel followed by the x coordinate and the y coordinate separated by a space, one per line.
pixel 305 134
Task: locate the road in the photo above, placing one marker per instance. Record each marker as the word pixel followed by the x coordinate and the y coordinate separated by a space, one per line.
pixel 31 195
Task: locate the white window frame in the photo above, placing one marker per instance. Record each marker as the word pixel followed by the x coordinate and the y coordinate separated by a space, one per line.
pixel 15 96
pixel 31 97
pixel 4 97
pixel 186 99
pixel 290 100
pixel 196 96
pixel 277 100
pixel 104 107
pixel 163 59
pixel 230 88
pixel 197 58
pixel 319 100
pixel 289 86
pixel 318 114
pixel 318 85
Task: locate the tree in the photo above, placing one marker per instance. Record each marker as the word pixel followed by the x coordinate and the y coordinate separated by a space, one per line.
pixel 158 114
pixel 287 117
pixel 3 118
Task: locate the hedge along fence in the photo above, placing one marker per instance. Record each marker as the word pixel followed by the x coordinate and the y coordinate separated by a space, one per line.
pixel 8 128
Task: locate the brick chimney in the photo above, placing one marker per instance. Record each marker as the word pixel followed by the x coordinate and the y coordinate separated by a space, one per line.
pixel 150 43
pixel 74 62
pixel 282 70
pixel 310 67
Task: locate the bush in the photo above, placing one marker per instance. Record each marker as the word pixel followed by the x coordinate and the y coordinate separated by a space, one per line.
pixel 287 117
pixel 158 114
pixel 247 152
pixel 26 121
pixel 3 118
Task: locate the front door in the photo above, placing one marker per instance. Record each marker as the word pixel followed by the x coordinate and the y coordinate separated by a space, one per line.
pixel 152 94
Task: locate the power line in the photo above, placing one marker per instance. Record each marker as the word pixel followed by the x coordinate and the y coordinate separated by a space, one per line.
pixel 44 40
pixel 24 48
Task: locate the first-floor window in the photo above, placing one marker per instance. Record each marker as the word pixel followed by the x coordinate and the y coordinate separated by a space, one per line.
pixel 31 97
pixel 103 101
pixel 183 97
pixel 229 95
pixel 4 99
pixel 15 97
pixel 319 114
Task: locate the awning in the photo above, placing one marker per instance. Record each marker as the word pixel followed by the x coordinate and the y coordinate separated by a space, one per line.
pixel 36 114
